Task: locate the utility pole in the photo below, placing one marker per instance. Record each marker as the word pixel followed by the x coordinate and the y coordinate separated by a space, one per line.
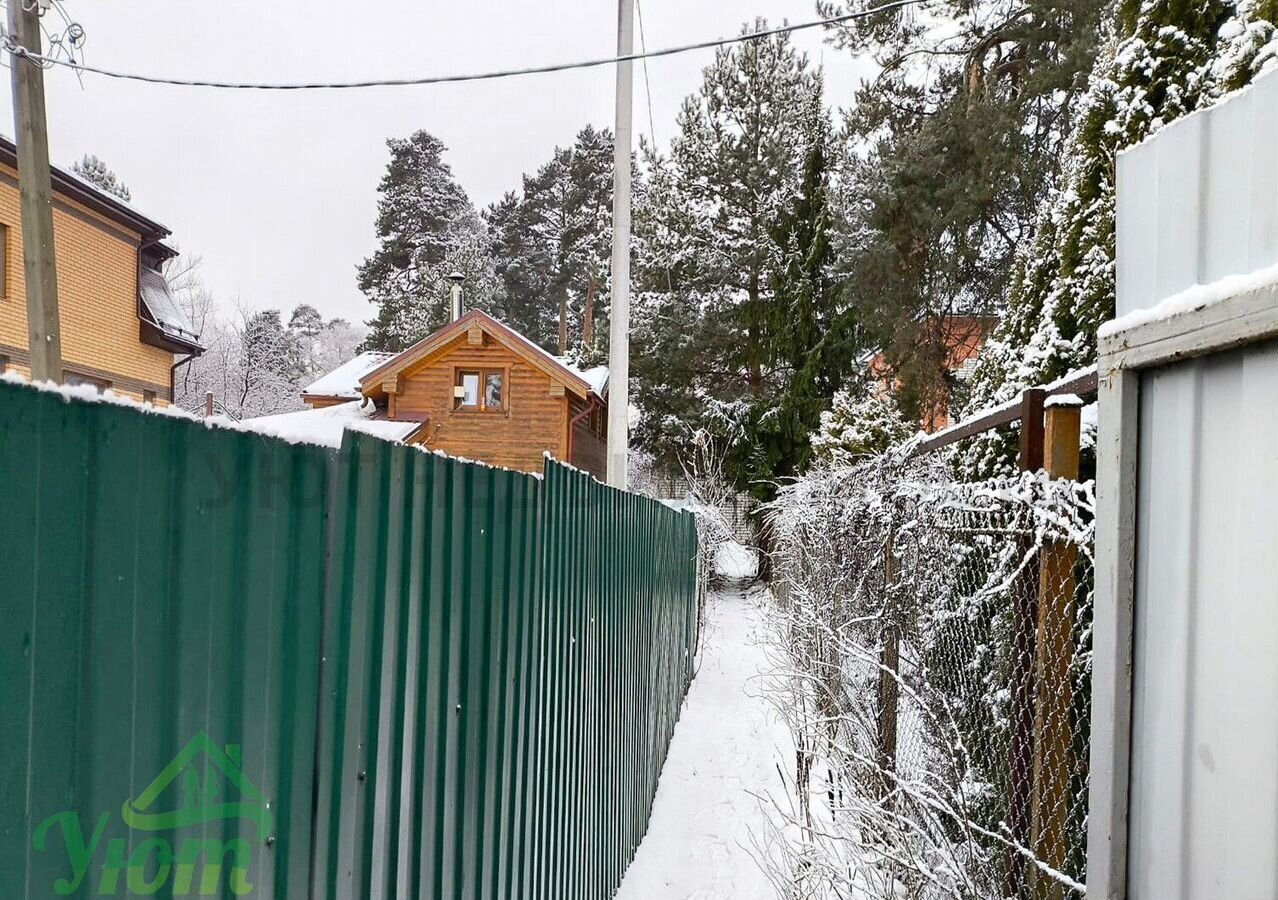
pixel 44 335
pixel 619 314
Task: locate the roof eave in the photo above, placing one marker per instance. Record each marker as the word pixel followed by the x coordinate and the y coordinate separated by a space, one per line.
pixel 97 200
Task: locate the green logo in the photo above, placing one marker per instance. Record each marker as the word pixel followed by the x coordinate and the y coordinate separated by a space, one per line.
pixel 203 784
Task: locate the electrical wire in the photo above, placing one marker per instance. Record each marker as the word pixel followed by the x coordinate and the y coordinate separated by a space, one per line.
pixel 16 50
pixel 647 85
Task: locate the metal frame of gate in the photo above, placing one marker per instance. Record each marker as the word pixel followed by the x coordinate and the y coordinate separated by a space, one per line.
pixel 1247 318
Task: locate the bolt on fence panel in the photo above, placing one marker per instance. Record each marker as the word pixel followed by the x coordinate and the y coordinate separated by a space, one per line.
pixel 422 678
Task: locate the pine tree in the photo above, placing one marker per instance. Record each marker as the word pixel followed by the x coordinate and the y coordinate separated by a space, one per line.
pixel 429 309
pixel 1165 59
pixel 552 242
pixel 96 172
pixel 523 271
pixel 950 151
pixel 423 216
pixel 707 248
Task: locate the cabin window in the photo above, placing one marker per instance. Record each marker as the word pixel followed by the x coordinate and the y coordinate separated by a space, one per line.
pixel 493 396
pixel 481 390
pixel 4 364
pixel 148 396
pixel 466 391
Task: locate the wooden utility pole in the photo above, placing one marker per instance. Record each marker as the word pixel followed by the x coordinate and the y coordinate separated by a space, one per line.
pixel 44 335
pixel 619 310
pixel 1053 708
pixel 1020 750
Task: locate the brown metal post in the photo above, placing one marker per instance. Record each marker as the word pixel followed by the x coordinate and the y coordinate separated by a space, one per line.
pixel 1020 751
pixel 1032 429
pixel 1053 728
pixel 208 404
pixel 889 667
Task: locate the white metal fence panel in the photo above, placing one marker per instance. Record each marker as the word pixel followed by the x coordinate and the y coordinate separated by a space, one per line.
pixel 1204 761
pixel 1199 200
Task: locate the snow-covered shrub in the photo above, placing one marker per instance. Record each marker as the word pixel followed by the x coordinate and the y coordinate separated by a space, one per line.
pixel 859 424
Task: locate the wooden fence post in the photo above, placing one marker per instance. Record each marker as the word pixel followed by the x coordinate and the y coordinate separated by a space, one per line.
pixel 1053 729
pixel 889 668
pixel 1020 751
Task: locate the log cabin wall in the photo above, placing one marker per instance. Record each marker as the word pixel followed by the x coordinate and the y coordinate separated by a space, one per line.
pixel 533 421
pixel 589 439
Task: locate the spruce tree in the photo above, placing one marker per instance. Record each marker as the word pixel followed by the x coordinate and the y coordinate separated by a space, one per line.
pixel 809 338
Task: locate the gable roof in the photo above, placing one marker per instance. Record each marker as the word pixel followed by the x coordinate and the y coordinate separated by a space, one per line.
pixel 344 380
pixel 327 425
pixel 573 379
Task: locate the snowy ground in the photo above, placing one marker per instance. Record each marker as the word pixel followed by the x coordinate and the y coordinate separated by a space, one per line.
pixel 725 753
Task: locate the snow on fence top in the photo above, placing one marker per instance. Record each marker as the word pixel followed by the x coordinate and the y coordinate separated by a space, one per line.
pixel 1197 200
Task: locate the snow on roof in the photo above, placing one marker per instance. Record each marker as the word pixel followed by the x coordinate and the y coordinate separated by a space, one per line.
pixel 596 377
pixel 596 386
pixel 344 380
pixel 327 425
pixel 164 309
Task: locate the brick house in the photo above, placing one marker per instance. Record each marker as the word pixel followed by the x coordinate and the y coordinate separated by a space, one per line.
pixel 961 339
pixel 121 327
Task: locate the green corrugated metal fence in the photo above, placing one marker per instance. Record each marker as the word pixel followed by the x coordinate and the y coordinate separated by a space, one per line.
pixel 235 664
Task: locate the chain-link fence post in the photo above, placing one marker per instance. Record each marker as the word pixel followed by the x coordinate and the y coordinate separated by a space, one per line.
pixel 1053 729
pixel 889 668
pixel 1024 632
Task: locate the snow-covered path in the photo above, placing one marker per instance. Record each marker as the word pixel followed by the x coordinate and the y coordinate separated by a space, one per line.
pixel 725 752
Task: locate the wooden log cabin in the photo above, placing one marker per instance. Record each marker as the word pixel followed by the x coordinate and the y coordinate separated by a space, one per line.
pixel 481 390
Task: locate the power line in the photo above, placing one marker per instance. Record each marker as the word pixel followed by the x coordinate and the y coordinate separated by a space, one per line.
pixel 647 85
pixel 16 50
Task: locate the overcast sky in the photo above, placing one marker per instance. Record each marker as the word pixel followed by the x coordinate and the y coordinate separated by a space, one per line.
pixel 277 191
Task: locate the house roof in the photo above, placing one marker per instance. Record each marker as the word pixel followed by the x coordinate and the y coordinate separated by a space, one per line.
pixel 344 380
pixel 327 425
pixel 593 382
pixel 111 207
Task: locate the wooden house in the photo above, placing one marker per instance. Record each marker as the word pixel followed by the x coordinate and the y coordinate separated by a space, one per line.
pixel 478 389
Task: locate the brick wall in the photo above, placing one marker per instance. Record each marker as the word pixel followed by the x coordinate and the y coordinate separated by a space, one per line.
pixel 97 298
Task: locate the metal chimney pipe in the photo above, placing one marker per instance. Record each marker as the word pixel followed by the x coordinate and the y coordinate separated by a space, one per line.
pixel 456 278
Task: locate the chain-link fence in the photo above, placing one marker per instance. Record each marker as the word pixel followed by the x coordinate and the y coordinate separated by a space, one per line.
pixel 937 639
